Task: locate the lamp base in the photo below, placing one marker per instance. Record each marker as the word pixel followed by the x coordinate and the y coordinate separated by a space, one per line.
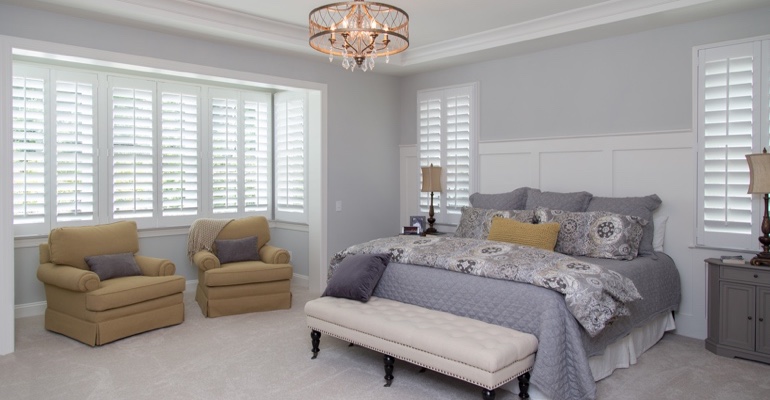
pixel 762 258
pixel 430 231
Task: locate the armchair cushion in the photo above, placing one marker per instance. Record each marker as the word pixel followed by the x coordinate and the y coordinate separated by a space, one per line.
pixel 71 245
pixel 232 250
pixel 109 266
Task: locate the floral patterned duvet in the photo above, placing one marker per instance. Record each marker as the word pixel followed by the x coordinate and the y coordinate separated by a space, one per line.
pixel 593 294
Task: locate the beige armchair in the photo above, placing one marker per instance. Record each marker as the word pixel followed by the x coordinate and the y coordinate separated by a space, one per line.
pixel 95 311
pixel 244 286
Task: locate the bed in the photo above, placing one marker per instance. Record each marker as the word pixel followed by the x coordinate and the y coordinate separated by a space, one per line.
pixel 572 353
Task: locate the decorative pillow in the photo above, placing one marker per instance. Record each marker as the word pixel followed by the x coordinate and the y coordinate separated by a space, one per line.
pixel 234 250
pixel 641 207
pixel 475 222
pixel 110 266
pixel 542 236
pixel 515 200
pixel 356 276
pixel 660 232
pixel 575 201
pixel 598 234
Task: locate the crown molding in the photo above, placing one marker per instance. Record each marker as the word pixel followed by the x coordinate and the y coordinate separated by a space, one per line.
pixel 199 18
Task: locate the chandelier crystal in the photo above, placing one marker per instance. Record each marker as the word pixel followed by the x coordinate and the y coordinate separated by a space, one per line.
pixel 359 32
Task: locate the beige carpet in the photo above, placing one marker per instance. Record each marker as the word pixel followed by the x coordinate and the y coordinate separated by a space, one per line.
pixel 267 356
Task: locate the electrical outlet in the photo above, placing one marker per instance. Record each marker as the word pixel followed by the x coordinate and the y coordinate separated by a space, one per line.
pixel 339 205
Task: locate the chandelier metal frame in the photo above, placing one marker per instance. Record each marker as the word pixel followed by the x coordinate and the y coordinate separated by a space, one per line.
pixel 359 32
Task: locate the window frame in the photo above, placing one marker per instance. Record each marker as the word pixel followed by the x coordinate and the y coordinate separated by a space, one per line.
pixel 443 214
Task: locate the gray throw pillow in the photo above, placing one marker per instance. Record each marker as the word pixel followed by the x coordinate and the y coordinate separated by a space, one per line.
pixel 235 250
pixel 574 201
pixel 108 266
pixel 356 276
pixel 641 207
pixel 475 222
pixel 598 234
pixel 515 200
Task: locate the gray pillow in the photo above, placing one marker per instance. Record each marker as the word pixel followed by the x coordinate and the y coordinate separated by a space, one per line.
pixel 108 266
pixel 574 201
pixel 515 200
pixel 356 276
pixel 598 234
pixel 475 222
pixel 641 207
pixel 235 250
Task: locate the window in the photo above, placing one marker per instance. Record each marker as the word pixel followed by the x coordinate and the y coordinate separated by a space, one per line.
pixel 290 156
pixel 172 151
pixel 447 138
pixel 732 122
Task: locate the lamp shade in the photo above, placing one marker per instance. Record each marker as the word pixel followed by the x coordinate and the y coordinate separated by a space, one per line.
pixel 431 179
pixel 759 172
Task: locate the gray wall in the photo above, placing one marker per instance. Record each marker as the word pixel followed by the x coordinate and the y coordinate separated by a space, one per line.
pixel 635 83
pixel 362 129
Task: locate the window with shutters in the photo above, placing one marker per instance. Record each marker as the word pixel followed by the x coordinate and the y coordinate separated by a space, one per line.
pixel 732 101
pixel 240 133
pixel 290 156
pixel 171 151
pixel 446 132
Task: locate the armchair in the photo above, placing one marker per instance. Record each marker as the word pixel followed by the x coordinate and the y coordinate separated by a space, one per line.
pixel 243 286
pixel 96 311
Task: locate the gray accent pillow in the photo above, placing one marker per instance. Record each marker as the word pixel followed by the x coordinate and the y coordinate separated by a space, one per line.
pixel 598 234
pixel 108 266
pixel 475 222
pixel 642 207
pixel 515 200
pixel 235 250
pixel 356 276
pixel 574 201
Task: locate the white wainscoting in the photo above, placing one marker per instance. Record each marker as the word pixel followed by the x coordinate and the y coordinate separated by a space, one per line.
pixel 638 164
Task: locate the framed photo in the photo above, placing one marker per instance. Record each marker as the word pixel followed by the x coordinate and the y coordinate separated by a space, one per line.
pixel 411 230
pixel 418 221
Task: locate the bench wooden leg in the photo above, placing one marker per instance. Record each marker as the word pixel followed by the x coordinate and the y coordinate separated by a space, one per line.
pixel 524 386
pixel 487 394
pixel 315 339
pixel 389 361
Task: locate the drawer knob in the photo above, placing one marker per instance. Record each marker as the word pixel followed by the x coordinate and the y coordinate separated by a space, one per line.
pixel 750 318
pixel 756 275
pixel 761 320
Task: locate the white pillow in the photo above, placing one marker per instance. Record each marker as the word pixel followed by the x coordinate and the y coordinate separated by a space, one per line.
pixel 660 232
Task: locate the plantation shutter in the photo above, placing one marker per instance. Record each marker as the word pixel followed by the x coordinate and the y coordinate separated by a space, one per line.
pixel 430 135
pixel 728 103
pixel 458 149
pixel 290 124
pixel 258 151
pixel 75 106
pixel 179 150
pixel 29 132
pixel 224 145
pixel 446 138
pixel 132 148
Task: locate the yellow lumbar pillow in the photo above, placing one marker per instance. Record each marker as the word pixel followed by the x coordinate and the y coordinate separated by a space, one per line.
pixel 542 236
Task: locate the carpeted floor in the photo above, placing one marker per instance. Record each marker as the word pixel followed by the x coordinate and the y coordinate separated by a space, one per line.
pixel 267 356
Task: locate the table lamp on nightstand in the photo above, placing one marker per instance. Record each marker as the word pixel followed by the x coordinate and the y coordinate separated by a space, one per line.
pixel 431 182
pixel 759 183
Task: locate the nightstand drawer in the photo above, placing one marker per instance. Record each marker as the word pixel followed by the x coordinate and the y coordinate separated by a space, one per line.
pixel 746 275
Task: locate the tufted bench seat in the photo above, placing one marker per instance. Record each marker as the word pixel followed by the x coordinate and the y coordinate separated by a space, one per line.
pixel 477 352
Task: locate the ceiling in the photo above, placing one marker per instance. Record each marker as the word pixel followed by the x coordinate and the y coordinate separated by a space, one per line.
pixel 442 33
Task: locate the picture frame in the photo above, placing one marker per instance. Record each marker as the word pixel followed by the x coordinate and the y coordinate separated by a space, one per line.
pixel 416 220
pixel 410 230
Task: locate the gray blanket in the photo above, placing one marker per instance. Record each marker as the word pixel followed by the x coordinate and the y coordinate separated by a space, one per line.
pixel 561 368
pixel 596 296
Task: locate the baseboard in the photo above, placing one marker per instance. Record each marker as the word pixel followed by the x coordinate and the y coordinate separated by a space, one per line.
pixel 38 308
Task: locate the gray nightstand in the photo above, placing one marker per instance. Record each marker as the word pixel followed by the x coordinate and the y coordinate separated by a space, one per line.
pixel 738 310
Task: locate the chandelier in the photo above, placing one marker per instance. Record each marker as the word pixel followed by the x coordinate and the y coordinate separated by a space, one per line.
pixel 359 32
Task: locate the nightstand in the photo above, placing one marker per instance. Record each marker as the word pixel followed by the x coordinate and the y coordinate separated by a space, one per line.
pixel 738 310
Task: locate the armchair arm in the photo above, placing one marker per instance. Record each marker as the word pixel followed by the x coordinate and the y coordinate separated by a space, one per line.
pixel 152 266
pixel 274 255
pixel 68 277
pixel 206 260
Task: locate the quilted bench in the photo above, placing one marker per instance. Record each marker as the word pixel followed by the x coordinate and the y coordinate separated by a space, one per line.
pixel 474 351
